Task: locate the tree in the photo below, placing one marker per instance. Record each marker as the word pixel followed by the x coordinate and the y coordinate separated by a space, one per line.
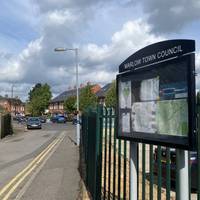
pixel 39 98
pixel 33 92
pixel 87 98
pixel 111 97
pixel 70 104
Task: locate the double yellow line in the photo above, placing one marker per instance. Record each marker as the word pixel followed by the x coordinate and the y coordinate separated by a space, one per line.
pixel 11 186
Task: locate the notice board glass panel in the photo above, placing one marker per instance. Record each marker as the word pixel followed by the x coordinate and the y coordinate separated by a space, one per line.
pixel 153 102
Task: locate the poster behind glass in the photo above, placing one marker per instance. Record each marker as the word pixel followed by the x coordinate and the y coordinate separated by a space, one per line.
pixel 155 101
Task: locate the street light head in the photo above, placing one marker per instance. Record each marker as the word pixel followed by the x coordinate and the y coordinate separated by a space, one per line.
pixel 65 49
pixel 60 49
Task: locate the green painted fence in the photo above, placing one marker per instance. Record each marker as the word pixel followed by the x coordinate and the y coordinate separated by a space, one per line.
pixel 105 162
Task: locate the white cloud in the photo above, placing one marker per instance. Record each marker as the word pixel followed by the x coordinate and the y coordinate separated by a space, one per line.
pixel 133 36
pixel 48 5
pixel 68 23
pixel 16 69
pixel 18 90
pixel 59 17
pixel 171 16
pixel 98 64
pixel 34 48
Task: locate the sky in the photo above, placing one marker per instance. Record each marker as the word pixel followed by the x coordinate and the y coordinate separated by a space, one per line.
pixel 106 32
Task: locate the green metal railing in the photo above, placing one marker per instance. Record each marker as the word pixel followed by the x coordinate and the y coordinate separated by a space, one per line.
pixel 107 163
pixel 91 149
pixel 106 158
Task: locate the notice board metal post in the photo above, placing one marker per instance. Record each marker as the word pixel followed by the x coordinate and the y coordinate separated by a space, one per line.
pixel 133 171
pixel 182 172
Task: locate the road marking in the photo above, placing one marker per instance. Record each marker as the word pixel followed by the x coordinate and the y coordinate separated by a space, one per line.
pixel 24 173
pixel 35 173
pixel 24 170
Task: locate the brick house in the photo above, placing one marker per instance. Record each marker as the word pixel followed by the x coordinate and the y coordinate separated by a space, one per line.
pixel 56 105
pixel 12 105
pixel 102 93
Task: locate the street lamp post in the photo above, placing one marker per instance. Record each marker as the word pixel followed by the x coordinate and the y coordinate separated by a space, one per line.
pixel 77 90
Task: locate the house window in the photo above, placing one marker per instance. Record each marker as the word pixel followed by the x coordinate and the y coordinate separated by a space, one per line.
pixel 61 106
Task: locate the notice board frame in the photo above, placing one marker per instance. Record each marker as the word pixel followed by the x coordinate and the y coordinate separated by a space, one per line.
pixel 187 143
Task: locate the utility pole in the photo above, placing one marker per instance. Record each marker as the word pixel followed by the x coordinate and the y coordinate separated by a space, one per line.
pixel 12 96
pixel 12 89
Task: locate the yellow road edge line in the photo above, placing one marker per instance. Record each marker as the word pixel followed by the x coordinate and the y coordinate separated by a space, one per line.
pixel 15 186
pixel 28 172
pixel 25 169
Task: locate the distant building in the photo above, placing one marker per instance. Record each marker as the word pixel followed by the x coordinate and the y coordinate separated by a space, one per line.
pixel 12 105
pixel 56 105
pixel 101 94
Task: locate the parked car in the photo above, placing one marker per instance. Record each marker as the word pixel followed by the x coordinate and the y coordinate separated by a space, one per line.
pixel 53 118
pixel 21 119
pixel 58 119
pixel 43 119
pixel 74 120
pixel 34 123
pixel 61 119
pixel 193 165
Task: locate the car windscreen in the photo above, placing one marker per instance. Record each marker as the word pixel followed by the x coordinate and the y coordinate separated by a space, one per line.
pixel 33 120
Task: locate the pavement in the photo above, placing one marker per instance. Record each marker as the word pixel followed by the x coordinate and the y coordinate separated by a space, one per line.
pixel 59 178
pixel 55 175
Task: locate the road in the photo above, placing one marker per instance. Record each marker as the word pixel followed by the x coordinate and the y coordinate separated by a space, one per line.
pixel 26 154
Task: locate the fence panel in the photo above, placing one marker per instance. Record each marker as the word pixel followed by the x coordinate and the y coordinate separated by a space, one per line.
pixel 115 179
pixel 91 147
pixel 107 161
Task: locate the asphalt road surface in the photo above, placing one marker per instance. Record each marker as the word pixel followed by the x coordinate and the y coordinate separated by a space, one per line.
pixel 40 164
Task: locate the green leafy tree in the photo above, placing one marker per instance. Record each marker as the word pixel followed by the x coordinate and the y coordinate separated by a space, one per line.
pixel 111 97
pixel 70 104
pixel 34 91
pixel 39 98
pixel 2 109
pixel 87 98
